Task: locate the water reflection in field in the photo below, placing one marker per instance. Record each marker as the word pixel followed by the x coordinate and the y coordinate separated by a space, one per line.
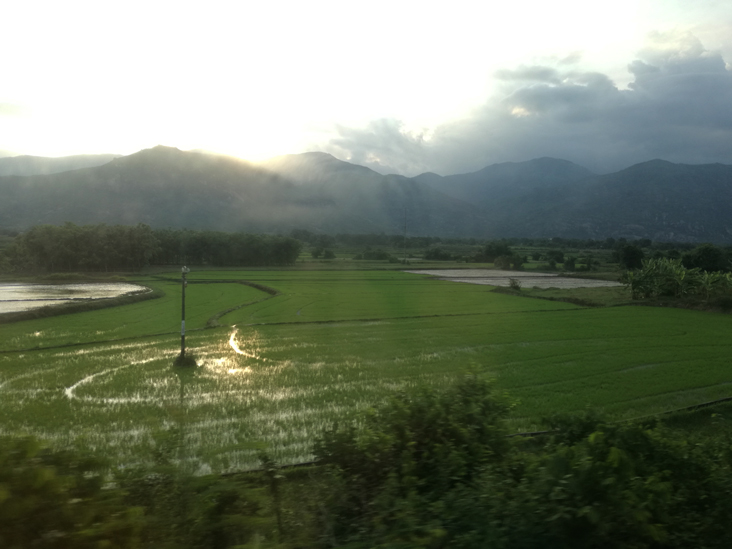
pixel 495 277
pixel 24 297
pixel 276 386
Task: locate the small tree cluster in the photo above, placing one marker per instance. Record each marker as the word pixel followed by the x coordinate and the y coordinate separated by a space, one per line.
pixel 319 252
pixel 492 250
pixel 664 277
pixel 377 255
pixel 181 247
pixel 48 248
pixel 706 257
pixel 513 261
pixel 438 254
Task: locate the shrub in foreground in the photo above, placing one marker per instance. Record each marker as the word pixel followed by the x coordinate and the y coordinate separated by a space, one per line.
pixel 59 500
pixel 396 472
pixel 436 470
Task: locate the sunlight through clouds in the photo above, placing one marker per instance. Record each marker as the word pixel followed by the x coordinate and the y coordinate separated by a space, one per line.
pixel 258 80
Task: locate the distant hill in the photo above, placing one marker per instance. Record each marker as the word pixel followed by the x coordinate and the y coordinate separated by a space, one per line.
pixel 366 201
pixel 548 197
pixel 656 199
pixel 166 187
pixel 495 185
pixel 37 165
pixel 545 197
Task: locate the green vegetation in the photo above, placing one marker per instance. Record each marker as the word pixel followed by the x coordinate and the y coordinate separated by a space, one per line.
pixel 102 248
pixel 328 346
pixel 58 499
pixel 46 248
pixel 69 248
pixel 669 277
pixel 155 316
pixel 215 248
pixel 589 297
pixel 432 470
pixel 427 468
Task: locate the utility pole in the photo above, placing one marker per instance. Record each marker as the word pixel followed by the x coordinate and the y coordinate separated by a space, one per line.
pixel 184 283
pixel 405 235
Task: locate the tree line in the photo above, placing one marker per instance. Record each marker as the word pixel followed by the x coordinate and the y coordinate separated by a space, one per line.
pixel 104 248
pixel 222 249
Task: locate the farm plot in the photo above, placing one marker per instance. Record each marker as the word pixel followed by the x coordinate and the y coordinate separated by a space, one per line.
pixel 276 384
pixel 495 277
pixel 373 295
pixel 156 316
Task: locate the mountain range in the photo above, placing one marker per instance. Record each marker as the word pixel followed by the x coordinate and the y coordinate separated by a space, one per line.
pixel 544 197
pixel 35 165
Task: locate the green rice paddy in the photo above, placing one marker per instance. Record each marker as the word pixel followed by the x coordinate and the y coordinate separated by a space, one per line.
pixel 332 344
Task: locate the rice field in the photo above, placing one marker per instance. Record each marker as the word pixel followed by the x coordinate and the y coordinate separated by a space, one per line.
pixel 328 346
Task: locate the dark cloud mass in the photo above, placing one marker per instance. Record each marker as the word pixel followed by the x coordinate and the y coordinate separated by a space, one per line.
pixel 678 108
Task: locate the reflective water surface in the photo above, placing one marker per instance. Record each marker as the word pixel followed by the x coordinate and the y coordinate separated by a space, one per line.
pixel 494 277
pixel 16 297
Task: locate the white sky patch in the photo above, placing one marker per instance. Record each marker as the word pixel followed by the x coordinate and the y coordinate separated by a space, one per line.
pixel 520 112
pixel 258 79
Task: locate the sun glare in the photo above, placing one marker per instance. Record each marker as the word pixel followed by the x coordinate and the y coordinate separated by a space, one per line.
pixel 234 344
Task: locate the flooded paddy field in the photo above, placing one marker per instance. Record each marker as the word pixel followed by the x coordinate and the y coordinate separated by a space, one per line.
pixel 495 277
pixel 16 297
pixel 156 316
pixel 331 345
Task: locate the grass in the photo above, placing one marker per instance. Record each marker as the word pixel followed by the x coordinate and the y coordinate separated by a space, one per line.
pixel 330 345
pixel 162 315
pixel 593 297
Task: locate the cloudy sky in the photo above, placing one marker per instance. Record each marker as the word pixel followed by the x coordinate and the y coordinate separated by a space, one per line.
pixel 400 86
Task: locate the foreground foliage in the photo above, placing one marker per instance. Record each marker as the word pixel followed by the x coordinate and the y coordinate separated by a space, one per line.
pixel 398 472
pixel 69 500
pixel 58 499
pixel 427 469
pixel 457 484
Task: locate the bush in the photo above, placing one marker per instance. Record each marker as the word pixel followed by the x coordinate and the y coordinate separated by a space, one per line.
pixel 506 262
pixel 593 484
pixel 630 257
pixel 491 251
pixel 58 499
pixel 378 255
pixel 555 255
pixel 668 277
pixel 437 254
pixel 706 257
pixel 393 473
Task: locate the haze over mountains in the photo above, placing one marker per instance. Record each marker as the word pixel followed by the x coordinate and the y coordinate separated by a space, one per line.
pixel 545 197
pixel 35 165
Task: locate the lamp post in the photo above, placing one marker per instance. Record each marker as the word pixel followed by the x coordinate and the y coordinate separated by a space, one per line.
pixel 184 283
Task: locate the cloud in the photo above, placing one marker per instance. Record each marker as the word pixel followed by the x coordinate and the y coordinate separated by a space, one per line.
pixel 678 107
pixel 571 59
pixel 384 146
pixel 529 74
